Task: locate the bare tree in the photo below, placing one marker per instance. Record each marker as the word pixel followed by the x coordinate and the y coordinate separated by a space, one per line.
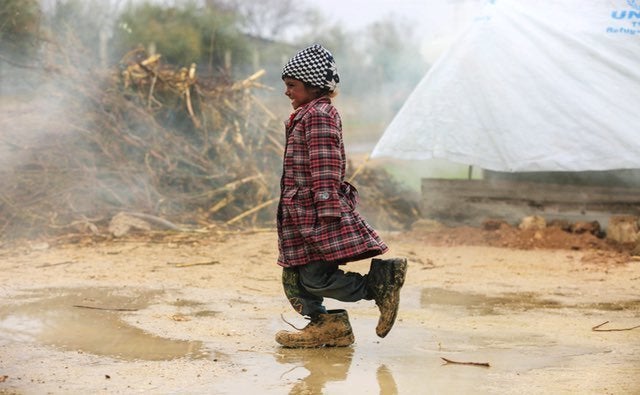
pixel 266 18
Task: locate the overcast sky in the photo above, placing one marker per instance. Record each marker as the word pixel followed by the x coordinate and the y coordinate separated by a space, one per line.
pixel 358 13
pixel 436 21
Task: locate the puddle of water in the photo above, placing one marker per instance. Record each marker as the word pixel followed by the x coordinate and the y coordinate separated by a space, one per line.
pixel 186 303
pixel 408 362
pixel 615 306
pixel 485 305
pixel 89 320
pixel 206 313
pixel 523 301
pixel 358 369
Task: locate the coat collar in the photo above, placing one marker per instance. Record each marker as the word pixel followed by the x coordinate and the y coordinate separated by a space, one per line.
pixel 300 111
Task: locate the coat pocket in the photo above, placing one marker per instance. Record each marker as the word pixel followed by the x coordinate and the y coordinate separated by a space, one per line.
pixel 303 212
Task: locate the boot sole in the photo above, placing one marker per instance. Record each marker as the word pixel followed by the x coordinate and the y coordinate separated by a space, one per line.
pixel 343 341
pixel 390 309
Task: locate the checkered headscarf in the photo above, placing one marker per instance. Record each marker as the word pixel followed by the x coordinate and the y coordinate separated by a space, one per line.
pixel 315 66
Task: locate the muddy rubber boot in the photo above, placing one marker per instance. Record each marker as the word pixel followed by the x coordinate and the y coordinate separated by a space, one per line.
pixel 332 329
pixel 384 281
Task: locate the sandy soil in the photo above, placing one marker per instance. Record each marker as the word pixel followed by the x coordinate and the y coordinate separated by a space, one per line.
pixel 196 313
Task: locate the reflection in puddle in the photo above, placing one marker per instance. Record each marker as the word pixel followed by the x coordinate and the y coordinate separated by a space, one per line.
pixel 387 384
pixel 88 320
pixel 617 306
pixel 323 364
pixel 524 301
pixel 326 366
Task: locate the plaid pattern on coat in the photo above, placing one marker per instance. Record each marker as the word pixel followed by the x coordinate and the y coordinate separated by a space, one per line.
pixel 317 216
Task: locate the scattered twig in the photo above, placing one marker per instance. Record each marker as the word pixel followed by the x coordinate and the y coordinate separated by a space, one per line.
pixel 449 361
pixel 153 85
pixel 290 324
pixel 359 169
pixel 289 371
pixel 251 211
pixel 17 64
pixel 193 264
pixel 597 328
pixel 156 220
pixel 102 308
pixel 55 264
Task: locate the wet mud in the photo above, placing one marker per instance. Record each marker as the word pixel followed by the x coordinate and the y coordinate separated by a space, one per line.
pixel 119 319
pixel 90 321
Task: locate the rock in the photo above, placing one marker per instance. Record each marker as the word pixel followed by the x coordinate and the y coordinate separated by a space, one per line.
pixel 123 223
pixel 494 224
pixel 623 229
pixel 560 223
pixel 580 227
pixel 426 225
pixel 43 246
pixel 534 222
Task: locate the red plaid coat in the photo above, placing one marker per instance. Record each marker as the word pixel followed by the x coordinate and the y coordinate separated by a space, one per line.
pixel 317 219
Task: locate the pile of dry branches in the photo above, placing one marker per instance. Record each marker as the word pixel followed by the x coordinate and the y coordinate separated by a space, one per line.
pixel 150 138
pixel 157 140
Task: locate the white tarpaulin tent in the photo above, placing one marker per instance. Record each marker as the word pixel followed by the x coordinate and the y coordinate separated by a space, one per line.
pixel 551 85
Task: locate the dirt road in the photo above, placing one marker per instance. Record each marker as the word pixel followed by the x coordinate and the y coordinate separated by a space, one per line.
pixel 197 314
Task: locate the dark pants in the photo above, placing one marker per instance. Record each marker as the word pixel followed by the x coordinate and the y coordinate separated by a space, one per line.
pixel 306 286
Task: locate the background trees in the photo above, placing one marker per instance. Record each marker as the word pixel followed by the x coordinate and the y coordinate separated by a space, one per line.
pixel 19 25
pixel 183 34
pixel 218 35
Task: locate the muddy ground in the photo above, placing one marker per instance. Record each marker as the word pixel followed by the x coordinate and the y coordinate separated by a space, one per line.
pixel 197 313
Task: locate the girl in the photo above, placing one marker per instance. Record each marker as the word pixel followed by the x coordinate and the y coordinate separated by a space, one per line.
pixel 319 228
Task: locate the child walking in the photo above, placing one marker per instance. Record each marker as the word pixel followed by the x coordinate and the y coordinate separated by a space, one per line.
pixel 319 228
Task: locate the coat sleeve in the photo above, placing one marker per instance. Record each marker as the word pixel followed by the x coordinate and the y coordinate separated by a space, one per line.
pixel 325 162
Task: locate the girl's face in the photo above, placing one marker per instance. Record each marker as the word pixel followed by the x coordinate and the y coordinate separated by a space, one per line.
pixel 298 92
